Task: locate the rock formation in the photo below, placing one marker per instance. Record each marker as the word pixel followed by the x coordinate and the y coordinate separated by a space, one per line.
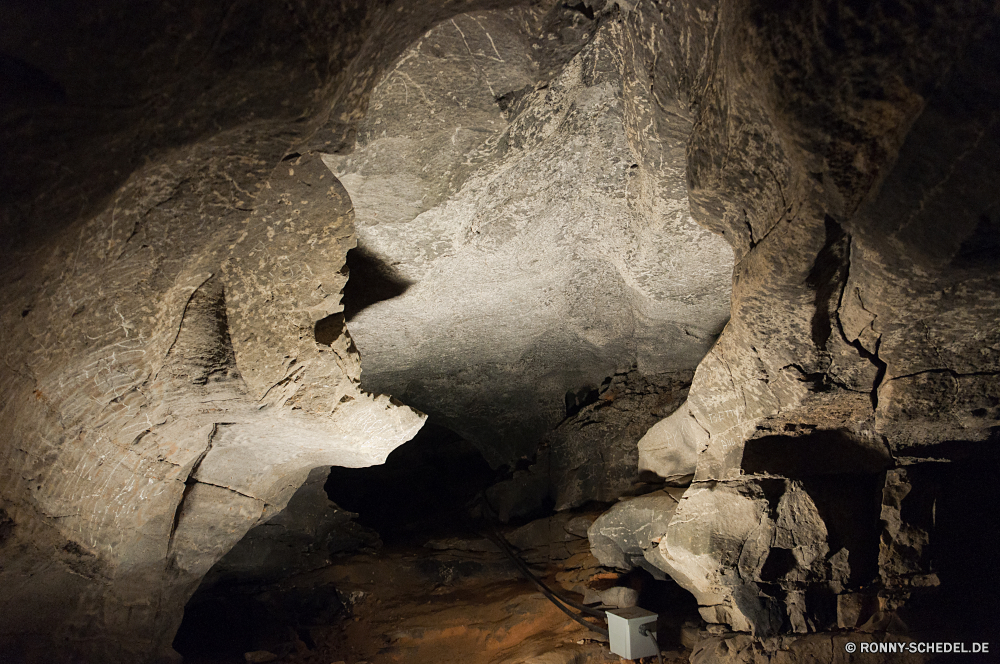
pixel 527 192
pixel 852 181
pixel 531 198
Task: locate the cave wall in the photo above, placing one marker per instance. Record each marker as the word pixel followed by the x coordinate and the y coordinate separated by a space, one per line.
pixel 152 428
pixel 846 151
pixel 176 358
pixel 523 186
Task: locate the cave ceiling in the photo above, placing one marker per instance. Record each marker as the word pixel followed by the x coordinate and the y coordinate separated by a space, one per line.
pixel 244 241
pixel 527 196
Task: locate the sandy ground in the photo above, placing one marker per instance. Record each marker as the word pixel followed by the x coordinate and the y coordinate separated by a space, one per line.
pixel 444 609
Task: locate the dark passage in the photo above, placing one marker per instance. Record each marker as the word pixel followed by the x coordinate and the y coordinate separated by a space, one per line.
pixel 255 597
pixel 424 487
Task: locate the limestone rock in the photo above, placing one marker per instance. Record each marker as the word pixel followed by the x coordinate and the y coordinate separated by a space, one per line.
pixel 592 455
pixel 199 405
pixel 302 537
pixel 619 597
pixel 578 526
pixel 854 609
pixel 863 335
pixel 670 448
pixel 191 380
pixel 541 216
pixel 622 536
pixel 544 195
pixel 726 544
pixel 548 540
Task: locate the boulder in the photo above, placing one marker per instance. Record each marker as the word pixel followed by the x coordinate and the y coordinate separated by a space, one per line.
pixel 670 448
pixel 622 536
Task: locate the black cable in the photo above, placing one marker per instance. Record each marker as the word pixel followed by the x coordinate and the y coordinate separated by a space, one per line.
pixel 651 633
pixel 505 545
pixel 552 597
pixel 495 536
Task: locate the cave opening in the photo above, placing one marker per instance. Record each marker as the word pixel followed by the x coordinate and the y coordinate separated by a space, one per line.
pixel 425 487
pixel 268 593
pixel 361 556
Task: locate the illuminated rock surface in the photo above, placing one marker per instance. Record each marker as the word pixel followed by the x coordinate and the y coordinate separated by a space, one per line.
pixel 558 207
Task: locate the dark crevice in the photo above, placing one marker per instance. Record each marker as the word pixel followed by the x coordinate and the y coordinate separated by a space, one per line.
pixel 6 526
pixel 189 483
pixel 773 490
pixel 184 314
pixel 779 562
pixel 880 365
pixel 582 8
pixel 425 484
pixel 863 352
pixel 882 368
pixel 819 381
pixel 982 248
pixel 227 488
pixel 577 400
pixel 818 452
pixel 950 372
pixel 327 330
pixel 753 243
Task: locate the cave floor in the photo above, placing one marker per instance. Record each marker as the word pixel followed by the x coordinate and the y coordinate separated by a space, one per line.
pixel 478 618
pixel 411 604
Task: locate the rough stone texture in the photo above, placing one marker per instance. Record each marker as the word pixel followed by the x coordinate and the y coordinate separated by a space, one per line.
pixel 740 539
pixel 173 362
pixel 618 597
pixel 626 534
pixel 591 455
pixel 670 448
pixel 176 360
pixel 302 537
pixel 866 302
pixel 172 394
pixel 524 190
pixel 544 541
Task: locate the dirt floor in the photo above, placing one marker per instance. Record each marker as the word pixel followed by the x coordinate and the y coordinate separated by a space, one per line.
pixel 486 619
pixel 427 607
pixel 444 609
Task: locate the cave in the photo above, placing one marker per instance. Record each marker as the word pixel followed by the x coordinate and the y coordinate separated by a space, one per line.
pixel 454 330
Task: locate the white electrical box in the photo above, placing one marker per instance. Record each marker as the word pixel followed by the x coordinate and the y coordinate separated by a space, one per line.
pixel 624 636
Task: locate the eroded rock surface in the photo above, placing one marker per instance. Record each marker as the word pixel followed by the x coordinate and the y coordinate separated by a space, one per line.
pixel 536 188
pixel 168 398
pixel 592 455
pixel 525 191
pixel 626 534
pixel 863 334
pixel 174 362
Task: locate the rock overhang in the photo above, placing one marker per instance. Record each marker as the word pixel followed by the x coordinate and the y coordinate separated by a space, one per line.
pixel 539 220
